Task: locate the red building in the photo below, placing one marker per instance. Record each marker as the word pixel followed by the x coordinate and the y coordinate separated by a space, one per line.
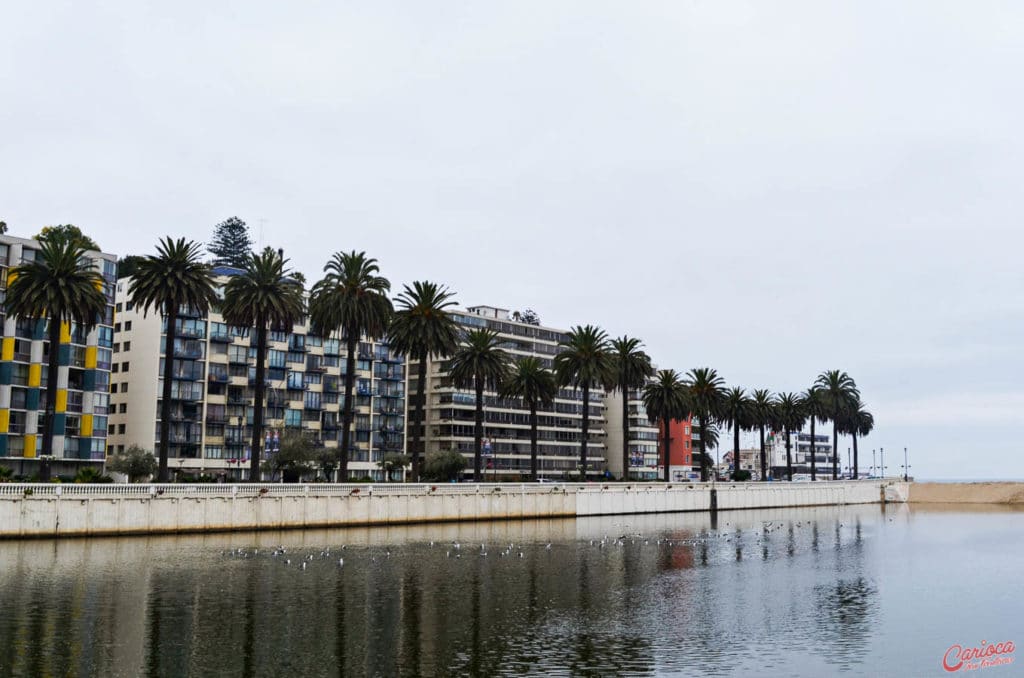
pixel 680 445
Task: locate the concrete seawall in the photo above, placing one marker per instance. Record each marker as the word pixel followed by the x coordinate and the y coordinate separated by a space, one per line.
pixel 966 493
pixel 93 510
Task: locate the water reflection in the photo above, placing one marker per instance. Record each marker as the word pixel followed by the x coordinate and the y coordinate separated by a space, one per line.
pixel 640 595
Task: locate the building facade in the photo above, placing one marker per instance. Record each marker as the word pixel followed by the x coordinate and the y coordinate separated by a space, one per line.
pixel 450 411
pixel 800 450
pixel 83 378
pixel 213 391
pixel 644 450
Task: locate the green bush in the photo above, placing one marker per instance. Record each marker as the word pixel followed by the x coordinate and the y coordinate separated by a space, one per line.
pixel 741 476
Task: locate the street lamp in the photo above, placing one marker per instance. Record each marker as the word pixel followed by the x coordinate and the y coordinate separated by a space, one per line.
pixel 906 466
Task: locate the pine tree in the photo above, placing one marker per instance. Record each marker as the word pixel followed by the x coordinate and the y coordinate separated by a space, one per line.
pixel 231 243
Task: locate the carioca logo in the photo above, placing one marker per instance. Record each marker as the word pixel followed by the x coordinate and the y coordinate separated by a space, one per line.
pixel 957 656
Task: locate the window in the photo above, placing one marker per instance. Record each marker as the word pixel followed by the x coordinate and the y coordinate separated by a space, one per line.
pixel 127 345
pixel 124 367
pixel 117 308
pixel 100 403
pixel 127 325
pixel 115 368
pixel 124 387
pixel 293 418
pixel 103 358
pixel 121 428
pixel 113 388
pixel 117 327
pixel 128 306
pixel 18 398
pixel 111 429
pixel 122 408
pixel 117 348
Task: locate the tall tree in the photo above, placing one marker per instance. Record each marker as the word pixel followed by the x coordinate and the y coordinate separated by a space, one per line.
pixel 707 392
pixel 62 287
pixel 666 399
pixel 584 362
pixel 479 363
pixel 422 328
pixel 839 393
pixel 264 297
pixel 858 421
pixel 230 244
pixel 68 232
pixel 352 299
pixel 128 265
pixel 173 279
pixel 816 409
pixel 530 381
pixel 737 412
pixel 632 371
pixel 762 413
pixel 789 416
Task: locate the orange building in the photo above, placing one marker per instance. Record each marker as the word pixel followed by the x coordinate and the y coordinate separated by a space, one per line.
pixel 680 447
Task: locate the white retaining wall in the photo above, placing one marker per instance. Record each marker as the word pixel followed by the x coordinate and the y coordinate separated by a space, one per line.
pixel 82 510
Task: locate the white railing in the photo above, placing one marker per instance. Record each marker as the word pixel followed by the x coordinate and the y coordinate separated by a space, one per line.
pixel 226 490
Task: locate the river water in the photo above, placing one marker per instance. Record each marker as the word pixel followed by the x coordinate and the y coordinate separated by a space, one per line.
pixel 861 590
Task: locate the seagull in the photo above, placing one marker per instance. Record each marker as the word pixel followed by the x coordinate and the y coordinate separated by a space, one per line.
pixel 548 547
pixel 303 565
pixel 341 562
pixel 287 562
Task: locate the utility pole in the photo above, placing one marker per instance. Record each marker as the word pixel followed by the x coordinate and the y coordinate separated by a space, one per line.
pixel 873 462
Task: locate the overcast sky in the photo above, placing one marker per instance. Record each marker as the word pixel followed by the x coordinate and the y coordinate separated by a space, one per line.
pixel 770 189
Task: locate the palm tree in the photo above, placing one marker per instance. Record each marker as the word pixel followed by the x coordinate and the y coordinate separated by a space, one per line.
pixel 707 391
pixel 858 422
pixel 632 370
pixel 839 392
pixel 422 329
pixel 172 279
pixel 263 296
pixel 59 286
pixel 816 409
pixel 737 412
pixel 536 385
pixel 351 300
pixel 666 399
pixel 585 363
pixel 789 416
pixel 479 363
pixel 762 414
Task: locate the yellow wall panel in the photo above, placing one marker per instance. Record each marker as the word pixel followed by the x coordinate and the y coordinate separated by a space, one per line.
pixel 90 357
pixel 86 426
pixel 35 375
pixel 5 420
pixel 7 351
pixel 30 445
pixel 65 333
pixel 62 400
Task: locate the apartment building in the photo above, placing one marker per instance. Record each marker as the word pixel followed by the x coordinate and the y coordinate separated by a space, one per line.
pixel 450 411
pixel 644 446
pixel 800 450
pixel 213 389
pixel 81 408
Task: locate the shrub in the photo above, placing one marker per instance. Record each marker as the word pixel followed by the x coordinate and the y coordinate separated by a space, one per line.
pixel 741 476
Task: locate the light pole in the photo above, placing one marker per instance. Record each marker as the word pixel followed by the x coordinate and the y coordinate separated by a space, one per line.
pixel 849 465
pixel 881 453
pixel 873 460
pixel 906 467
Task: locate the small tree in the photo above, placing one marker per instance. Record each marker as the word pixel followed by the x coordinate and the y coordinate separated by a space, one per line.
pixel 393 461
pixel 91 474
pixel 3 227
pixel 444 466
pixel 135 462
pixel 128 265
pixel 231 244
pixel 297 454
pixel 68 232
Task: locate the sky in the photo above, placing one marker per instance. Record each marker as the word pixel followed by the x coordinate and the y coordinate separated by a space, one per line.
pixel 769 189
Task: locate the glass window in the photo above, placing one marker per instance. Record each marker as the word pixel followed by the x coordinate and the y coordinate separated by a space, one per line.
pixel 293 418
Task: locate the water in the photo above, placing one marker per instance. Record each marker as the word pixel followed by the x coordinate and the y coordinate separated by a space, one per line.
pixel 801 592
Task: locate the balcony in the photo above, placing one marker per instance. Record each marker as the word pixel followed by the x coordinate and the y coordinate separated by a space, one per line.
pixel 220 337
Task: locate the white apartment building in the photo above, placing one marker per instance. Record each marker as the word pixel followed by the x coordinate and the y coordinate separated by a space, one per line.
pixel 214 375
pixel 450 411
pixel 644 455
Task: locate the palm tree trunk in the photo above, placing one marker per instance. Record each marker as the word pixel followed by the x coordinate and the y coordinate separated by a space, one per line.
pixel 814 465
pixel 835 445
pixel 703 452
pixel 346 413
pixel 420 435
pixel 165 406
pixel 735 449
pixel 52 365
pixel 533 441
pixel 257 405
pixel 789 457
pixel 856 473
pixel 586 431
pixel 625 431
pixel 764 459
pixel 667 441
pixel 478 429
